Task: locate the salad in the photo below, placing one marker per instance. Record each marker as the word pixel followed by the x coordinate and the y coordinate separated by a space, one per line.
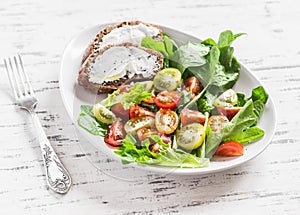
pixel 187 115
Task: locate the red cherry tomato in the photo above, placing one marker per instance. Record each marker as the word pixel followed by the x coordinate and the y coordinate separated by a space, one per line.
pixel 230 148
pixel 120 112
pixel 193 85
pixel 115 134
pixel 137 111
pixel 229 112
pixel 167 99
pixel 166 121
pixel 189 116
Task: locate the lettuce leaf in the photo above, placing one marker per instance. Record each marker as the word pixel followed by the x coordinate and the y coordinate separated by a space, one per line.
pixel 87 121
pixel 249 135
pixel 169 157
pixel 135 96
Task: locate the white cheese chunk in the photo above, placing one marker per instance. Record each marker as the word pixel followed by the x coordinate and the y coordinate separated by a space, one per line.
pixel 119 61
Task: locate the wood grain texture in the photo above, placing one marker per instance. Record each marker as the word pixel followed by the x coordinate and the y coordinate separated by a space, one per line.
pixel 39 31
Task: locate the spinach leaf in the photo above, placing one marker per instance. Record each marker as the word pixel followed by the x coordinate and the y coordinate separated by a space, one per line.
pixel 251 134
pixel 259 93
pixel 87 121
pixel 166 47
pixel 209 42
pixel 185 97
pixel 227 37
pixel 190 54
pixel 227 59
pixel 241 100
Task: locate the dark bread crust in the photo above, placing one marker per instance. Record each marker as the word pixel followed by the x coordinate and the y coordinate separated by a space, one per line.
pixel 94 46
pixel 107 87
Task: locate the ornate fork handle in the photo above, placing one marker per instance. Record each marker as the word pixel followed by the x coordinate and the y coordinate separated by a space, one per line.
pixel 57 176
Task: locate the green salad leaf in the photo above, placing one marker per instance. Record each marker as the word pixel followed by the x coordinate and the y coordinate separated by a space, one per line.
pixel 249 135
pixel 135 96
pixel 169 157
pixel 217 69
pixel 166 47
pixel 240 123
pixel 213 140
pixel 244 119
pixel 87 121
pixel 190 55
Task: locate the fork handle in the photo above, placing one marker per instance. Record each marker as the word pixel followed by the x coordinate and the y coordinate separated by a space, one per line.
pixel 57 176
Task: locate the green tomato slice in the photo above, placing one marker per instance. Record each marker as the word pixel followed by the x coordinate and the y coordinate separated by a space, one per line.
pixel 190 136
pixel 167 79
pixel 103 114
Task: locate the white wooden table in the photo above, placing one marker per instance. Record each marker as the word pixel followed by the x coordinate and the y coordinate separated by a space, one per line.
pixel 39 31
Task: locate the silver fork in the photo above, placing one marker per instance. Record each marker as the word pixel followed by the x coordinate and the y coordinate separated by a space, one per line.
pixel 57 176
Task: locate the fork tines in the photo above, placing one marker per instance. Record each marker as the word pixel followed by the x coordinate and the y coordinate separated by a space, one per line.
pixel 18 78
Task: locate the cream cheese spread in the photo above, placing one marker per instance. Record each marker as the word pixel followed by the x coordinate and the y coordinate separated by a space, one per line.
pixel 119 61
pixel 129 33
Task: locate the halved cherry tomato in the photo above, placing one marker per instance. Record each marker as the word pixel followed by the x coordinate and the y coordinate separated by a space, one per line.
pixel 193 85
pixel 166 121
pixel 133 125
pixel 115 134
pixel 137 111
pixel 167 99
pixel 190 136
pixel 103 114
pixel 188 116
pixel 217 123
pixel 229 112
pixel 143 133
pixel 119 110
pixel 230 148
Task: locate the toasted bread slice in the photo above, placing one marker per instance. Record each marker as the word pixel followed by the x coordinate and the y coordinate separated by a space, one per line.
pixel 136 30
pixel 114 65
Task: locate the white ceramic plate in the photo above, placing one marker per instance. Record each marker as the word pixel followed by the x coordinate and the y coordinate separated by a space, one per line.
pixel 74 95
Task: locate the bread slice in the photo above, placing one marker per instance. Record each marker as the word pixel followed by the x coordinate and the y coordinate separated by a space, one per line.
pixel 114 65
pixel 98 42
